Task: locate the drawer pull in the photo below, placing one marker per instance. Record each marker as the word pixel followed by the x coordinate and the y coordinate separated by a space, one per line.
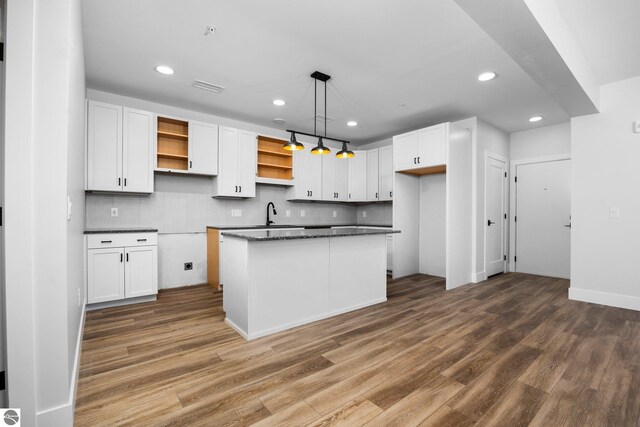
pixel 142 240
pixel 105 241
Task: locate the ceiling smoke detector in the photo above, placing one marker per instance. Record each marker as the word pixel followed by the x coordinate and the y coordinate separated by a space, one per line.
pixel 279 121
pixel 199 84
pixel 210 30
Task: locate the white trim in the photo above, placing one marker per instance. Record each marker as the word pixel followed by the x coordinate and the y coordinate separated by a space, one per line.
pixel 301 322
pixel 479 277
pixel 513 207
pixel 121 302
pixel 63 415
pixel 605 298
pixel 505 195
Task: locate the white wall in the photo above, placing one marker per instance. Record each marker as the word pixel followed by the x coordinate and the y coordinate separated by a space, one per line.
pixel 605 174
pixel 541 142
pixel 44 121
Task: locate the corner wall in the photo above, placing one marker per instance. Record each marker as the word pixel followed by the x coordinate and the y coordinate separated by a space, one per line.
pixel 605 175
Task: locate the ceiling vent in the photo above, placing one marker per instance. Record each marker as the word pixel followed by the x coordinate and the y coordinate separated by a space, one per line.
pixel 320 118
pixel 199 84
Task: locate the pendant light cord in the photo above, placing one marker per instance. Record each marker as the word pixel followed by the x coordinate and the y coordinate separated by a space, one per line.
pixel 315 104
pixel 325 109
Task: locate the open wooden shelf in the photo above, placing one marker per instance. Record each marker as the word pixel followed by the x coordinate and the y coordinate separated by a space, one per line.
pixel 172 156
pixel 172 134
pixel 269 165
pixel 173 144
pixel 274 162
pixel 429 170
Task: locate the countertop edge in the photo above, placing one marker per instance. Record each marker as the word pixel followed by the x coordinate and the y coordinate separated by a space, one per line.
pixel 121 231
pixel 300 237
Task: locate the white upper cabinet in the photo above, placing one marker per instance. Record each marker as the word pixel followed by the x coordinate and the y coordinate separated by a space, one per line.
pixel 120 149
pixel 358 177
pixel 307 171
pixel 237 164
pixel 372 175
pixel 432 143
pixel 137 148
pixel 104 147
pixel 247 163
pixel 423 148
pixel 335 184
pixel 203 148
pixel 385 173
pixel 405 151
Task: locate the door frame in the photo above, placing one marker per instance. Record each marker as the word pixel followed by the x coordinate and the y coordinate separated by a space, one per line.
pixel 513 197
pixel 505 197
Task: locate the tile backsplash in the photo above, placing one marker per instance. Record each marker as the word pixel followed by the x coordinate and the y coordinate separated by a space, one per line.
pixel 183 204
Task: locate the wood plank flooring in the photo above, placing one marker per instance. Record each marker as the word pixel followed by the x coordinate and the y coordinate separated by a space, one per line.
pixel 512 351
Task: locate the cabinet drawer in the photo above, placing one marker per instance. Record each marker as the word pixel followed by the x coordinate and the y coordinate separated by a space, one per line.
pixel 119 240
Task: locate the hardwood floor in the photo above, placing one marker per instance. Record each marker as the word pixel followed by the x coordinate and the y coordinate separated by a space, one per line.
pixel 511 351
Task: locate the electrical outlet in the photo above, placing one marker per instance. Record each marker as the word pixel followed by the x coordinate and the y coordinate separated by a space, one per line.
pixel 614 213
pixel 302 213
pixel 335 214
pixel 114 212
pixel 364 214
pixel 188 266
pixel 287 213
pixel 236 213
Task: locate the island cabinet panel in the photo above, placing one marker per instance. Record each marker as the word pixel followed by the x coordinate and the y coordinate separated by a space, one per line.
pixel 357 281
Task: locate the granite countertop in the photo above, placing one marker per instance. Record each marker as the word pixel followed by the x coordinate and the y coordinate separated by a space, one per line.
pixel 305 226
pixel 266 235
pixel 119 230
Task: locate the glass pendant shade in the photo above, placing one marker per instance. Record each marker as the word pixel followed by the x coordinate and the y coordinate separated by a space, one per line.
pixel 320 148
pixel 293 144
pixel 344 153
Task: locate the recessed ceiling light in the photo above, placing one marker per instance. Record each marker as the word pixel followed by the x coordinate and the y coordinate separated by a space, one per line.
pixel 279 102
pixel 352 123
pixel 164 69
pixel 279 121
pixel 535 119
pixel 486 76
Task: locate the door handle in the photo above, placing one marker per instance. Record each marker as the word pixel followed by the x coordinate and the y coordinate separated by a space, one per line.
pixel 489 222
pixel 568 225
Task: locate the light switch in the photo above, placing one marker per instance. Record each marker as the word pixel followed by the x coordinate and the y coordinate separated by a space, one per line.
pixel 335 214
pixel 287 213
pixel 114 212
pixel 614 213
pixel 302 213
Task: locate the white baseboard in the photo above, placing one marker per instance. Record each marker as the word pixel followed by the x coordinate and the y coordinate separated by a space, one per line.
pixel 121 302
pixel 62 416
pixel 478 277
pixel 265 332
pixel 605 298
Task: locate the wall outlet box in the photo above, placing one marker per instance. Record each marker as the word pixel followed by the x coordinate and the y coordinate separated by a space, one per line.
pixel 335 214
pixel 236 213
pixel 69 204
pixel 636 126
pixel 614 213
pixel 302 213
pixel 114 212
pixel 287 213
pixel 364 214
pixel 188 266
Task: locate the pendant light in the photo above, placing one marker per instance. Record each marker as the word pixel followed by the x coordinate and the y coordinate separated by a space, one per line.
pixel 345 153
pixel 293 144
pixel 319 149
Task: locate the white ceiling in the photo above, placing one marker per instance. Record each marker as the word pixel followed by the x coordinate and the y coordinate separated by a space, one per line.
pixel 608 33
pixel 381 53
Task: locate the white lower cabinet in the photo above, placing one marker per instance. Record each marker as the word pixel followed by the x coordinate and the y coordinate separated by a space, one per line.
pixel 121 266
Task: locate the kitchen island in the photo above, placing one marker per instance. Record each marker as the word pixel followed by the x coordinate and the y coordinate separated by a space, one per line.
pixel 280 279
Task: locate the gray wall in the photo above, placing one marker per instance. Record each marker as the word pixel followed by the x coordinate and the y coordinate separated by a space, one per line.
pixel 376 214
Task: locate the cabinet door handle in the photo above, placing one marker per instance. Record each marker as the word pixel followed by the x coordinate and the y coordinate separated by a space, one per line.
pixel 105 241
pixel 240 189
pixel 418 159
pixel 120 257
pixel 390 193
pixel 119 182
pixel 125 182
pixel 142 240
pixel 311 193
pixel 190 164
pixel 236 188
pixel 127 257
pixel 414 161
pixel 376 195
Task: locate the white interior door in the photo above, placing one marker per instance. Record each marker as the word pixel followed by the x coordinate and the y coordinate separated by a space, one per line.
pixel 543 214
pixel 496 216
